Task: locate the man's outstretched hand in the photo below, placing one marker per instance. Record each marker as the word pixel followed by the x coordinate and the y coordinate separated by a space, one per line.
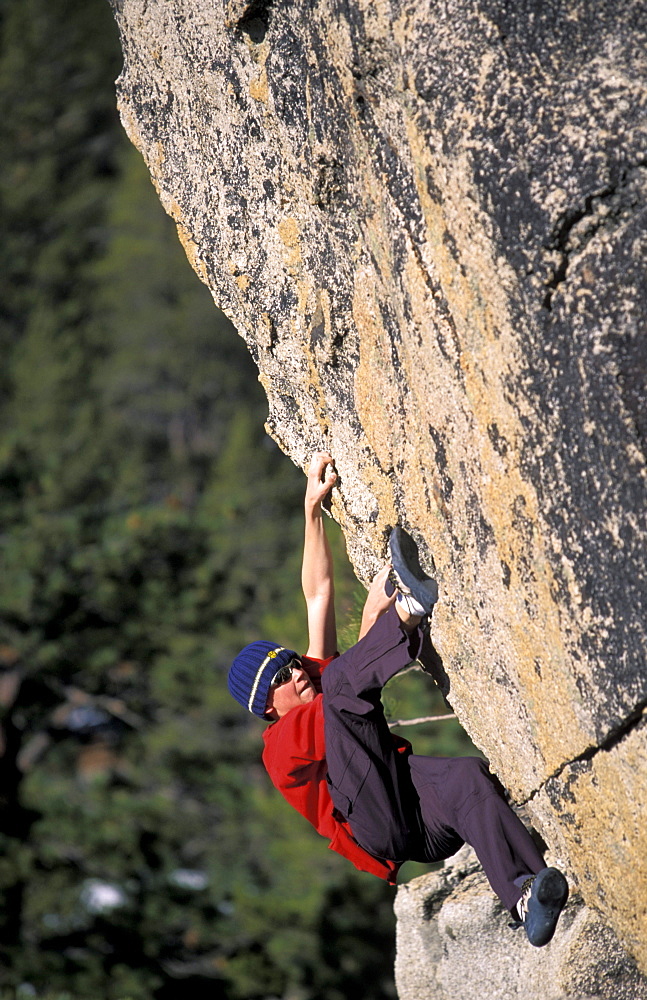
pixel 321 478
pixel 317 568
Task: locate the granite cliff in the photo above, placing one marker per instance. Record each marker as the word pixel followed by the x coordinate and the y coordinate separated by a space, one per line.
pixel 427 220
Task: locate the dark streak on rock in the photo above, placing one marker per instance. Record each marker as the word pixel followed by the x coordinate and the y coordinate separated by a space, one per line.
pixel 499 443
pixel 446 482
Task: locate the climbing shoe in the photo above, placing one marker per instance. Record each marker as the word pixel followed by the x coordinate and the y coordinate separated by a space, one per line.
pixel 417 591
pixel 542 900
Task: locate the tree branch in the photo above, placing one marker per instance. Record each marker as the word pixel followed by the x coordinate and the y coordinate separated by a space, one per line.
pixel 424 718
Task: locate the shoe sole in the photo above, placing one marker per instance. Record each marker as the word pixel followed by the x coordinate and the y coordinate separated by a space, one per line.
pixel 550 893
pixel 409 575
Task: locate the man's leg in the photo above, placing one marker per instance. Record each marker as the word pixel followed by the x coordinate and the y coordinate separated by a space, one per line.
pixel 459 794
pixel 369 781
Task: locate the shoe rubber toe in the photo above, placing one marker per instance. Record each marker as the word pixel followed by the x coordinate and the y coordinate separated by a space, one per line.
pixel 410 576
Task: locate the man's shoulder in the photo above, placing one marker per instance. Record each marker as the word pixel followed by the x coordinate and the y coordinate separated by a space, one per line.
pixel 297 725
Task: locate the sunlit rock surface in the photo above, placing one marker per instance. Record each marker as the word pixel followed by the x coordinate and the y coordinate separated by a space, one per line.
pixel 427 220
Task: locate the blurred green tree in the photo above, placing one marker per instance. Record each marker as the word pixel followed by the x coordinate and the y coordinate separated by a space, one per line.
pixel 142 849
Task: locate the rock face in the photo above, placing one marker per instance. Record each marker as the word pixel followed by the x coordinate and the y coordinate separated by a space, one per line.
pixel 455 943
pixel 427 220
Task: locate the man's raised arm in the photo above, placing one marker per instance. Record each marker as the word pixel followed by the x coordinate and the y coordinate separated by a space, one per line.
pixel 317 570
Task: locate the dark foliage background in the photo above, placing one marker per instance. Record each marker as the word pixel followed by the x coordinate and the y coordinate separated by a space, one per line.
pixel 149 528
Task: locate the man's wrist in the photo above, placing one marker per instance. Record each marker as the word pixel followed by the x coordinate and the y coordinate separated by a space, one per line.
pixel 368 619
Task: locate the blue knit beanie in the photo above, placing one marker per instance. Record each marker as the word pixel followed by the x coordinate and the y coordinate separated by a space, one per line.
pixel 252 671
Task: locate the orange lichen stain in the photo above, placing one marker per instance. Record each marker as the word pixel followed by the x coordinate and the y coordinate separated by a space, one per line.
pixel 473 290
pixel 375 396
pixel 315 393
pixel 290 236
pixel 305 289
pixel 172 208
pixel 155 155
pixel 243 281
pixel 376 230
pixel 289 232
pixel 258 88
pixel 534 627
pixel 130 123
pixel 381 486
pixel 190 247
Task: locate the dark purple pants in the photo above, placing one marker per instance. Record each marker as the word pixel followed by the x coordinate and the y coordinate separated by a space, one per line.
pixel 403 807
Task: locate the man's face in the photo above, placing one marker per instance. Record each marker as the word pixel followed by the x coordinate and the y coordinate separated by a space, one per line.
pixel 298 690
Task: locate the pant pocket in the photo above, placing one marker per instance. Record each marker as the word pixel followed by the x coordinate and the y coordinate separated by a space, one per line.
pixel 349 766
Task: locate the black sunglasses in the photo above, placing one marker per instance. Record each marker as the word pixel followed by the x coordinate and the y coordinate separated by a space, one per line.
pixel 283 674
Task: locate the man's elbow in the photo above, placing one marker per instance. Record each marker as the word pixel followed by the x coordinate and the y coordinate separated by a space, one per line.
pixel 320 598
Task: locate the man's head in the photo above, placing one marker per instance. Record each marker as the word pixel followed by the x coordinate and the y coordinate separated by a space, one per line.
pixel 269 680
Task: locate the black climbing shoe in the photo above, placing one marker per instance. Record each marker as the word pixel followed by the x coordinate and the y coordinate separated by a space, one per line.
pixel 542 900
pixel 407 574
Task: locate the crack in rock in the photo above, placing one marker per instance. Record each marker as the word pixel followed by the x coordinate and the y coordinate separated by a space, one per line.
pixel 616 736
pixel 579 225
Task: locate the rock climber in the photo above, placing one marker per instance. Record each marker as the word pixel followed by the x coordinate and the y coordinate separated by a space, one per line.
pixel 329 750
